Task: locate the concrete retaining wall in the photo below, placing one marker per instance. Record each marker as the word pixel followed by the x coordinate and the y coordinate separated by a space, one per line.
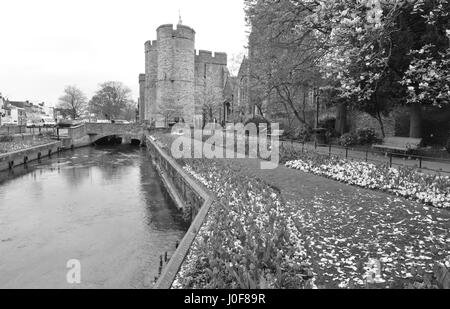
pixel 16 158
pixel 186 193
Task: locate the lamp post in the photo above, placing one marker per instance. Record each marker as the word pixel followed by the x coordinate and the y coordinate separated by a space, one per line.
pixel 316 97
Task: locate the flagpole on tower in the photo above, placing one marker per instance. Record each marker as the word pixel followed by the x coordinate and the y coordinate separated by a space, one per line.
pixel 180 22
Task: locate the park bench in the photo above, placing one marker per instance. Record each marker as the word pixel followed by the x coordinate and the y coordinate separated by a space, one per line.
pixel 404 144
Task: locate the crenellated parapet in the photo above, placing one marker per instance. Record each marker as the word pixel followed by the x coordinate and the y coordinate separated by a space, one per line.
pixel 180 31
pixel 151 45
pixel 206 56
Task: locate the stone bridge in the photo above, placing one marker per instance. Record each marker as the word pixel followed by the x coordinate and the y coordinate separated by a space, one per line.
pixel 89 133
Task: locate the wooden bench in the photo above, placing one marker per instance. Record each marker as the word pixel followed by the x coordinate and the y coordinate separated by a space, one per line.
pixel 405 144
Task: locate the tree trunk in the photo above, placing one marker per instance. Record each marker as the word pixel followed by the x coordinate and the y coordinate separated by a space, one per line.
pixel 288 101
pixel 211 116
pixel 304 104
pixel 415 123
pixel 380 121
pixel 341 118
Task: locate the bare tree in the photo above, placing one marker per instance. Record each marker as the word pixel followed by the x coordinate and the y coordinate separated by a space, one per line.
pixel 73 100
pixel 211 103
pixel 234 63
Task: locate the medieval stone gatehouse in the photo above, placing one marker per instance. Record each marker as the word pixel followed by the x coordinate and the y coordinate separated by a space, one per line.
pixel 180 83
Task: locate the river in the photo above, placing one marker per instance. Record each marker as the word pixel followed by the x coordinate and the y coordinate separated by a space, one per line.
pixel 104 207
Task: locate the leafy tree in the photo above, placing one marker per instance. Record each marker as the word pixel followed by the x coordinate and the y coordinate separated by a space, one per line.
pixel 360 48
pixel 129 111
pixel 371 52
pixel 111 100
pixel 282 57
pixel 73 100
pixel 428 81
pixel 428 78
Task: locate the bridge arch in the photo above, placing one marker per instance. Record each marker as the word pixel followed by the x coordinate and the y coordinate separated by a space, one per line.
pixel 125 138
pixel 90 133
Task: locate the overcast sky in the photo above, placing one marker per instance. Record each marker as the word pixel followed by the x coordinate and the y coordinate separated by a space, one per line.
pixel 48 44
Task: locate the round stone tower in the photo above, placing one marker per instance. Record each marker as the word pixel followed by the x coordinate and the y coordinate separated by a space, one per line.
pixel 175 84
pixel 151 77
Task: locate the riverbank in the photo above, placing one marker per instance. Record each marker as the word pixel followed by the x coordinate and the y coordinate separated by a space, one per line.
pixel 12 143
pixel 27 152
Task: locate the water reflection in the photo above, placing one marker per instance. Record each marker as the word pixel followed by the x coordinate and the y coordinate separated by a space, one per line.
pixel 104 206
pixel 157 215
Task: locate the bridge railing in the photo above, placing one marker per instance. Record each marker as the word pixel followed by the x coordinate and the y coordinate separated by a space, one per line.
pixel 84 129
pixel 195 196
pixel 105 128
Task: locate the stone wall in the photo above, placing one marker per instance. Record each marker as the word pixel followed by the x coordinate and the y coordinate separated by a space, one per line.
pixel 142 97
pixel 186 193
pixel 112 128
pixel 16 158
pixel 210 71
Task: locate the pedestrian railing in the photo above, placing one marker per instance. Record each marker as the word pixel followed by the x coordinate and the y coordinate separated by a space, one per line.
pixel 15 130
pixel 12 129
pixel 390 158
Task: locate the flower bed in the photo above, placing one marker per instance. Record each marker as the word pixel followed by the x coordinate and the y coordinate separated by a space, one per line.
pixel 249 239
pixel 432 190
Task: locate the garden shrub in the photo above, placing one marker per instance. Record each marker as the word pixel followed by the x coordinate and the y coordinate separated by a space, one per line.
pixel 304 134
pixel 361 137
pixel 329 124
pixel 301 134
pixel 348 139
pixel 367 136
pixel 259 120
